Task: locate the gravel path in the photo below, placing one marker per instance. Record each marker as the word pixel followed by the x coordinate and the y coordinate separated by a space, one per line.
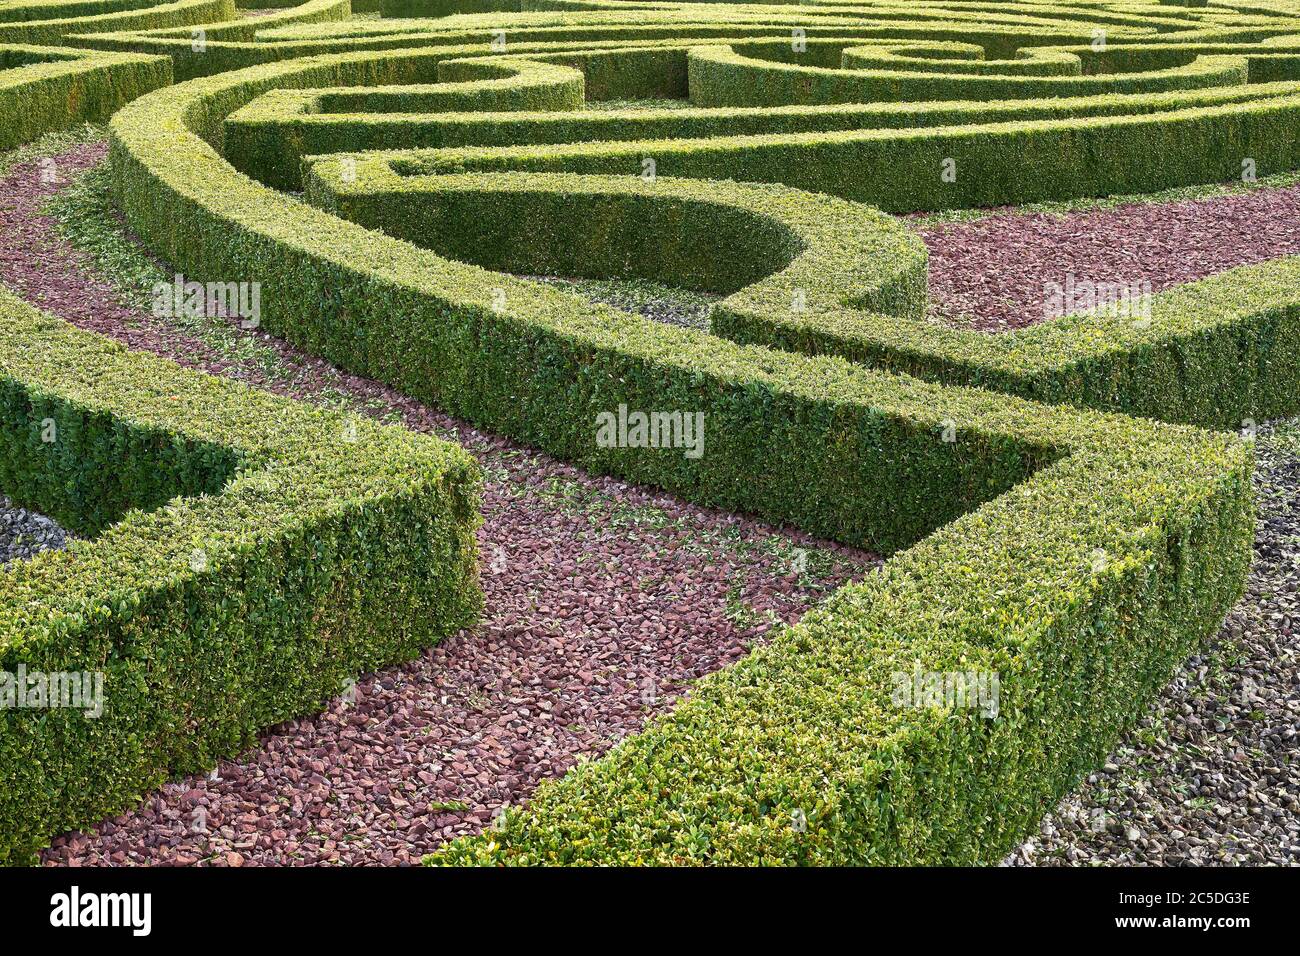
pixel 24 533
pixel 604 603
pixel 1210 776
pixel 50 274
pixel 991 274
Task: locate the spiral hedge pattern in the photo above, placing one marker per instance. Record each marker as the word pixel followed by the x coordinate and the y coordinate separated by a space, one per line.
pixel 1063 505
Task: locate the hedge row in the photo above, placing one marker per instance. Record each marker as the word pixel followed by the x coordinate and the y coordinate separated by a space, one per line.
pixel 736 76
pixel 427 325
pixel 264 41
pixel 994 164
pixel 1218 352
pixel 241 557
pixel 44 89
pixel 1082 590
pixel 756 244
pixel 961 58
pixel 228 44
pixel 268 138
pixel 1079 556
pixel 466 86
pixel 127 16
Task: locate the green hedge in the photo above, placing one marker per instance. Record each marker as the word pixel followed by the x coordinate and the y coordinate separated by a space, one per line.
pixel 584 32
pixel 960 58
pixel 1217 352
pixel 721 76
pixel 142 16
pixel 241 557
pixel 465 85
pixel 1025 497
pixel 777 241
pixel 44 89
pixel 1078 556
pixel 268 138
pixel 995 164
pixel 228 43
pixel 1082 590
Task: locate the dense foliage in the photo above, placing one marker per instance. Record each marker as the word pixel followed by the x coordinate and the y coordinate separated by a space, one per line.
pixel 1034 533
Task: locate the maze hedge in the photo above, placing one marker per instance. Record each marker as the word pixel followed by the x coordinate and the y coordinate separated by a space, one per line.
pixel 42 89
pixel 242 557
pixel 387 180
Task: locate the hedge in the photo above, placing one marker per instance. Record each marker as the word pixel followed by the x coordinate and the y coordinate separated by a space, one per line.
pixel 777 241
pixel 995 164
pixel 44 89
pixel 1219 352
pixel 1024 498
pixel 228 43
pixel 240 556
pixel 1079 556
pixel 268 138
pixel 1082 589
pixel 250 43
pixel 466 85
pixel 141 15
pixel 721 76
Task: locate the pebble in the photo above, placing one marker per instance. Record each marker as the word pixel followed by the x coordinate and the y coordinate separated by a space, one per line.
pixel 24 534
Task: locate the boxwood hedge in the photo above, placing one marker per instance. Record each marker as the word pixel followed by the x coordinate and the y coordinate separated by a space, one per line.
pixel 26 22
pixel 44 89
pixel 239 557
pixel 1077 555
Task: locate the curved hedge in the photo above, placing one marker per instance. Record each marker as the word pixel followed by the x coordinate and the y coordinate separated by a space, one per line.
pixel 722 76
pixel 69 20
pixel 850 453
pixel 43 89
pixel 244 556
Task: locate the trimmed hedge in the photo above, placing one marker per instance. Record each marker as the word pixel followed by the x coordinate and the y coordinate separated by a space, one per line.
pixel 995 164
pixel 1024 498
pixel 1077 555
pixel 1082 589
pixel 580 31
pixel 326 547
pixel 268 138
pixel 466 85
pixel 44 89
pixel 228 43
pixel 141 15
pixel 777 241
pixel 1217 352
pixel 721 76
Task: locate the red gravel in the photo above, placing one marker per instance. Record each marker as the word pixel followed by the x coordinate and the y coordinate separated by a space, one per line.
pixel 603 603
pixel 990 274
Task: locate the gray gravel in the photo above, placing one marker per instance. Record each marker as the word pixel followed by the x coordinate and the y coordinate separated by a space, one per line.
pixel 1210 777
pixel 25 534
